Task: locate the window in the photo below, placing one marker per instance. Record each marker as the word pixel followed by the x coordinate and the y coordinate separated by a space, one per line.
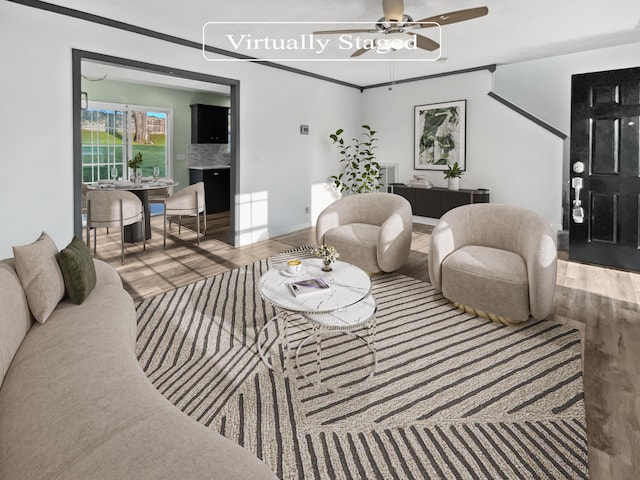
pixel 112 134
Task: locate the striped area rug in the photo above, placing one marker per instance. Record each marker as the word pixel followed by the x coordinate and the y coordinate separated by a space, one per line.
pixel 453 396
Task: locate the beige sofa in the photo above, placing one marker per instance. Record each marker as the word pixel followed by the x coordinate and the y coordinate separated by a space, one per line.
pixel 498 261
pixel 370 230
pixel 75 403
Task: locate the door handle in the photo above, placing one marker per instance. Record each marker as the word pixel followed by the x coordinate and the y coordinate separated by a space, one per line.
pixel 577 211
pixel 576 184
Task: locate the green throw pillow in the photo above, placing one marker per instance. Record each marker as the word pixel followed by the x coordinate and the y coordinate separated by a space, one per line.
pixel 78 270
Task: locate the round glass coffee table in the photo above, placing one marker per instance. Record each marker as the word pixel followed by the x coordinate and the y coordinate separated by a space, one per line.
pixel 346 306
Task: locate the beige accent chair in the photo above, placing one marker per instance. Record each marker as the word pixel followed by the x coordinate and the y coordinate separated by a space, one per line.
pixel 189 201
pixel 370 230
pixel 113 209
pixel 497 261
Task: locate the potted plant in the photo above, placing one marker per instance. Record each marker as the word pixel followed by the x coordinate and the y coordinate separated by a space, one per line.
pixel 453 174
pixel 360 170
pixel 329 254
pixel 135 166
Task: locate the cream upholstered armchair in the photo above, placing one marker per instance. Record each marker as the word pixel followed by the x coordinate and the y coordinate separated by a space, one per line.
pixel 497 261
pixel 113 209
pixel 189 201
pixel 370 230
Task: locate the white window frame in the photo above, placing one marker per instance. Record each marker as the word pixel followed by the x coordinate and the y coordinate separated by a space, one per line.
pixel 127 108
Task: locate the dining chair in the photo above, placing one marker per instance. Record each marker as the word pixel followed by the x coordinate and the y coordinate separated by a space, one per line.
pixel 83 200
pixel 85 190
pixel 113 209
pixel 189 201
pixel 159 195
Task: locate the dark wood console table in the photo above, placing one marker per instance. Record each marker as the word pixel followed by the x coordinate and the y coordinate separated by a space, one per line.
pixel 434 202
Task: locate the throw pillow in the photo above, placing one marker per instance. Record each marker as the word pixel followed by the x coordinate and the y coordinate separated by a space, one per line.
pixel 78 270
pixel 40 276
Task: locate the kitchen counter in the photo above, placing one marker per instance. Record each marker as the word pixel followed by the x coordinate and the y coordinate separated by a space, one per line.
pixel 210 167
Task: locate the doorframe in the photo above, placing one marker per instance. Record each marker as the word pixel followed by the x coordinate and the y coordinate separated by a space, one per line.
pixel 79 55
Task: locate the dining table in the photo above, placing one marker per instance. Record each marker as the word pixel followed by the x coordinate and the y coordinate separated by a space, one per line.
pixel 133 232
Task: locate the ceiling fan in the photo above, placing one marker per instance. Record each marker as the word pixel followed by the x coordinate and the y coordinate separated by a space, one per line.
pixel 399 27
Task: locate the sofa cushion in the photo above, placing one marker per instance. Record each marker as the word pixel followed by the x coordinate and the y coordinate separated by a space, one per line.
pixel 106 274
pixel 40 276
pixel 488 279
pixel 357 243
pixel 78 270
pixel 15 317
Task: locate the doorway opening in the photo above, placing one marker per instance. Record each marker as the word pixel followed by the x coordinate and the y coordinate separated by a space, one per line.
pixel 115 145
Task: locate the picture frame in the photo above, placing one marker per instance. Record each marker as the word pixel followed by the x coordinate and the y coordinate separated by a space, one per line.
pixel 440 135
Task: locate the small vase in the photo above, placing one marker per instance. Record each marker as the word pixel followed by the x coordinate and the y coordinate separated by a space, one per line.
pixel 326 266
pixel 454 183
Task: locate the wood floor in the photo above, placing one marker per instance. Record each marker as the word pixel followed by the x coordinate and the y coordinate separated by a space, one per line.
pixel 604 304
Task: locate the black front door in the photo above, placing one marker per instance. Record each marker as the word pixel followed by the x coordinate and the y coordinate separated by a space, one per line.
pixel 605 168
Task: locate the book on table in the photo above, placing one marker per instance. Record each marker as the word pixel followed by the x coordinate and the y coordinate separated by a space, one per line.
pixel 309 286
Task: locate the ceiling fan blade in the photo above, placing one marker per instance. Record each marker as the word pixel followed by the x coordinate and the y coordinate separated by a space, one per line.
pixel 425 43
pixel 362 30
pixel 362 50
pixel 393 10
pixel 454 17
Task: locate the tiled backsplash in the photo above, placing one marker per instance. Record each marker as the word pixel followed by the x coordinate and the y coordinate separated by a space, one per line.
pixel 207 154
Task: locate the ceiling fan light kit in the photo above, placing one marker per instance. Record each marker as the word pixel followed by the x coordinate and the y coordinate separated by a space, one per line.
pixel 399 41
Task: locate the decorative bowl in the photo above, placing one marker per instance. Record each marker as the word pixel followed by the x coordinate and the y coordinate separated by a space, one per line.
pixel 419 177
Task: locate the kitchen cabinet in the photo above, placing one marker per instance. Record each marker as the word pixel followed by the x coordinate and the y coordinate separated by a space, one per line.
pixel 217 187
pixel 209 124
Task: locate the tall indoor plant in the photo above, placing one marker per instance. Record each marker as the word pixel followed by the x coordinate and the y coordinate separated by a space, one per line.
pixel 360 170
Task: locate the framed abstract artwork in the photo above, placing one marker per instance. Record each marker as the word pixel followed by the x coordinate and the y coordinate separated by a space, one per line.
pixel 440 134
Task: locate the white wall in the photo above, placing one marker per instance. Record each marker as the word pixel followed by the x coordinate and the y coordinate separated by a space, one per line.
pixel 543 87
pixel 518 161
pixel 276 163
pixel 275 157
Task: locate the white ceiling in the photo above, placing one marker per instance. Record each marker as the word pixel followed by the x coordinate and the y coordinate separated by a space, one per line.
pixel 513 31
pixel 98 71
